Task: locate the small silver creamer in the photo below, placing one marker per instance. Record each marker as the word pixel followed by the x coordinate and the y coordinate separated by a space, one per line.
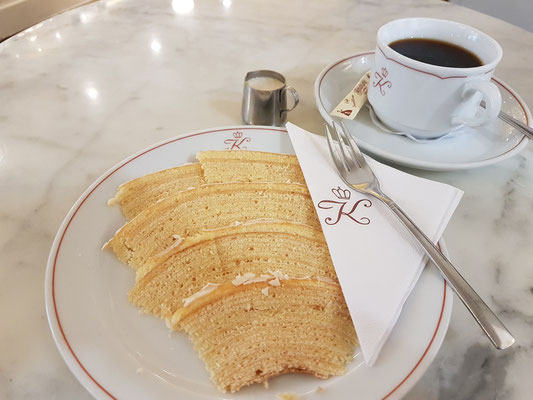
pixel 264 99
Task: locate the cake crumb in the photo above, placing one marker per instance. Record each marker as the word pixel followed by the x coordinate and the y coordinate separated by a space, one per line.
pixel 240 279
pixel 278 274
pixel 325 279
pixel 265 291
pixel 202 292
pixel 274 282
pixel 287 396
pixel 319 389
pixel 265 384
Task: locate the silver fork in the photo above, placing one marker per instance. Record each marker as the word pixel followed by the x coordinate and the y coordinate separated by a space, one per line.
pixel 356 173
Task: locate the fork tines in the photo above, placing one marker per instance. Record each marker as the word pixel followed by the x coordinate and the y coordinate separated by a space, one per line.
pixel 337 144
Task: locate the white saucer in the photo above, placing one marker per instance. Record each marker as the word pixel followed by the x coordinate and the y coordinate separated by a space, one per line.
pixel 469 149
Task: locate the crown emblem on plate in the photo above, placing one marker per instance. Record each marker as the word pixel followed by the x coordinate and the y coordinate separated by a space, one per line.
pixel 341 194
pixel 237 135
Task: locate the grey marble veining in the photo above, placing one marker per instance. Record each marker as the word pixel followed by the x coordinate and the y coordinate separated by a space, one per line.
pixel 83 90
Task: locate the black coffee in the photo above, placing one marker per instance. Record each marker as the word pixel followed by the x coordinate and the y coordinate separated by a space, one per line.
pixel 436 52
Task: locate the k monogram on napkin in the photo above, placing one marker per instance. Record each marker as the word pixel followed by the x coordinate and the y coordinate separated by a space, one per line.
pixel 375 259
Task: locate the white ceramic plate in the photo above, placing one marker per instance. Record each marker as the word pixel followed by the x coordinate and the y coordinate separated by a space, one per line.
pixel 470 149
pixel 117 353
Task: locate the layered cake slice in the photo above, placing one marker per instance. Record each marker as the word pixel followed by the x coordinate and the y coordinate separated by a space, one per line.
pixel 255 251
pixel 248 333
pixel 249 166
pixel 215 167
pixel 230 250
pixel 138 194
pixel 205 207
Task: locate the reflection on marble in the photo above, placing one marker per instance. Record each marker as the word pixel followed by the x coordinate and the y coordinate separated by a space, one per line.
pixel 88 87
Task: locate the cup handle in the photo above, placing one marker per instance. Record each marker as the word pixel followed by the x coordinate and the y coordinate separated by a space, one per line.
pixel 295 97
pixel 473 93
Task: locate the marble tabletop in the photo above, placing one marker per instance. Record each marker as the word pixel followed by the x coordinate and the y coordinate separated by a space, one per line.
pixel 83 90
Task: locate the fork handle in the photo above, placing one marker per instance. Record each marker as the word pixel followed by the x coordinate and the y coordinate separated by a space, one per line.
pixel 498 334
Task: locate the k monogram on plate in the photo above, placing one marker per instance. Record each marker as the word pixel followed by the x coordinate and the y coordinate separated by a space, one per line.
pixel 344 206
pixel 237 141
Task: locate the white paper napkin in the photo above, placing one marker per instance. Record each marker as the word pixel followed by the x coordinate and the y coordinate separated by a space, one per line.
pixel 375 258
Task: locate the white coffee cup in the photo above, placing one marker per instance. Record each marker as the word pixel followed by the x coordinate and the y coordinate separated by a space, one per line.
pixel 427 100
